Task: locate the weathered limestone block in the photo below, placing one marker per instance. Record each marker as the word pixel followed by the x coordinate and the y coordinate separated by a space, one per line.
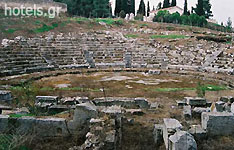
pixel 219 106
pixel 142 102
pixel 5 96
pixel 227 99
pixel 84 112
pixel 158 134
pixel 155 72
pixel 182 140
pixel 197 111
pixel 187 112
pixel 218 123
pixel 169 128
pixel 195 101
pixel 181 104
pixel 4 123
pixel 39 127
pixel 50 127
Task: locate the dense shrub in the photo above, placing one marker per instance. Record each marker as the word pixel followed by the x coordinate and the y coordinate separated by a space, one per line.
pixel 122 14
pixel 193 19
pixel 139 17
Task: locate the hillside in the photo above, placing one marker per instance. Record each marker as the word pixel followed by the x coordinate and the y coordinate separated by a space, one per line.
pixel 37 26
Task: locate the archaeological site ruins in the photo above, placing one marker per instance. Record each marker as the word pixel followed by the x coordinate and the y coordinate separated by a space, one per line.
pixel 119 84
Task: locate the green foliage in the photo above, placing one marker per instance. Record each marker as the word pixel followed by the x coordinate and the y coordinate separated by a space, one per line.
pixel 88 8
pixel 148 8
pixel 193 19
pixel 45 28
pixel 10 31
pixel 20 115
pixel 141 9
pixel 110 21
pixel 200 8
pixel 207 9
pixel 173 3
pixel 186 7
pixel 117 7
pixel 166 3
pixel 131 35
pixel 200 90
pixel 139 17
pixel 122 14
pixel 172 36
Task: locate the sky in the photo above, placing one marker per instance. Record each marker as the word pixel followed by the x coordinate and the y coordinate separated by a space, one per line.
pixel 222 9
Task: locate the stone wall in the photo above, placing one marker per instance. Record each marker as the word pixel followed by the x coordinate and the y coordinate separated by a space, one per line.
pixel 45 4
pixel 218 123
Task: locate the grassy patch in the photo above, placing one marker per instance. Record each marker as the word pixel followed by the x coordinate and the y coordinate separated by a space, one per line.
pixel 205 87
pixel 173 89
pixel 131 35
pixel 46 28
pixel 143 25
pixel 80 20
pixel 10 31
pixel 172 36
pixel 20 115
pixel 110 21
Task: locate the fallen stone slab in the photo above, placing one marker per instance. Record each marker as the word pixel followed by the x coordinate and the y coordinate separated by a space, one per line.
pixel 197 111
pixel 181 104
pixel 218 123
pixel 182 140
pixel 138 112
pixel 227 99
pixel 196 101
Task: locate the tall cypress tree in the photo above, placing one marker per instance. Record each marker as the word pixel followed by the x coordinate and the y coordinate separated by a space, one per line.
pixel 124 6
pixel 207 8
pixel 141 9
pixel 101 8
pixel 200 8
pixel 148 8
pixel 166 3
pixel 117 7
pixel 173 3
pixel 185 7
pixel 87 8
pixel 159 6
pixel 132 7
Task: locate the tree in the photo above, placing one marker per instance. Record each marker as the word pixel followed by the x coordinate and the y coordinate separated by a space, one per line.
pixel 153 8
pixel 173 3
pixel 148 9
pixel 166 3
pixel 117 7
pixel 124 6
pixel 101 8
pixel 200 8
pixel 159 6
pixel 122 14
pixel 185 7
pixel 229 23
pixel 132 7
pixel 207 9
pixel 141 9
